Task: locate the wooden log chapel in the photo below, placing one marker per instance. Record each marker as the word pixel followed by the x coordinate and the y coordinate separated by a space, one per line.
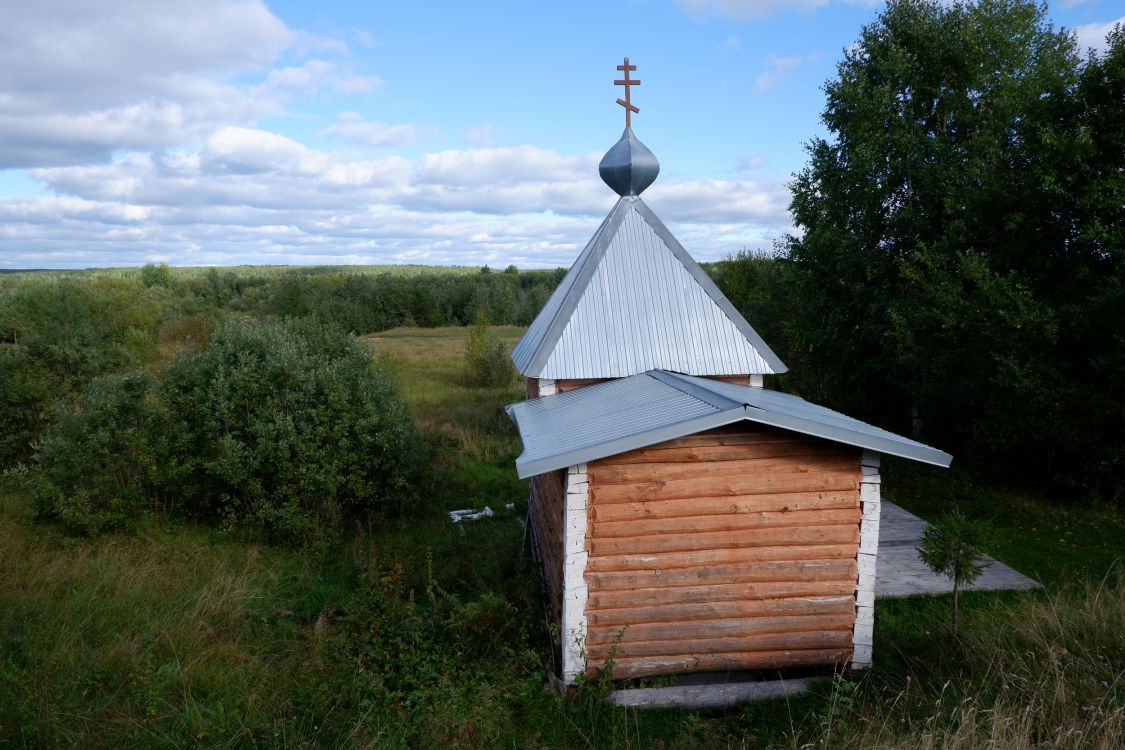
pixel 687 518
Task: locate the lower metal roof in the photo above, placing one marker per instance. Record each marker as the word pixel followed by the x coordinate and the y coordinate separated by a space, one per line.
pixel 641 410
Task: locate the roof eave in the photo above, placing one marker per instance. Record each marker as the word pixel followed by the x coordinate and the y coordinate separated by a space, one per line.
pixel 527 469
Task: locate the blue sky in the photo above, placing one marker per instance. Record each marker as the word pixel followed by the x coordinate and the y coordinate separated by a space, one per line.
pixel 218 132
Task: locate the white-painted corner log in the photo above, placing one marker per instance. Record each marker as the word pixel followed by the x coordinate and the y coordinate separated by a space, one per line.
pixel 574 574
pixel 548 387
pixel 862 639
pixel 757 381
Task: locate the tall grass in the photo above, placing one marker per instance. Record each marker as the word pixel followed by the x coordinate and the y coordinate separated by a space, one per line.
pixel 1049 672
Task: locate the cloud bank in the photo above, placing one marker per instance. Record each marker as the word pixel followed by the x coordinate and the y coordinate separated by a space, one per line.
pixel 142 123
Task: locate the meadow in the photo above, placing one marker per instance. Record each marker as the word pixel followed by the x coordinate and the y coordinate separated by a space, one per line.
pixel 410 631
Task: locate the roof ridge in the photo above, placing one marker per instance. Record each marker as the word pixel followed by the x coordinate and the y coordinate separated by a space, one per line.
pixel 695 390
pixel 599 243
pixel 710 288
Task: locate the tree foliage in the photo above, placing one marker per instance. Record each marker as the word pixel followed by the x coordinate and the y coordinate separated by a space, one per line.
pixel 961 272
pixel 953 547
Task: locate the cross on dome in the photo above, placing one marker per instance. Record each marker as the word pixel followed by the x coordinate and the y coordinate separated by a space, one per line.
pixel 627 103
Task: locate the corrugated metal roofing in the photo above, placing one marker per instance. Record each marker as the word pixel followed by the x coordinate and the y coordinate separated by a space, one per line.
pixel 622 415
pixel 635 301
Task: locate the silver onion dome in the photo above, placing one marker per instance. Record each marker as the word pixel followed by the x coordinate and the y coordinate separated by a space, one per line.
pixel 629 167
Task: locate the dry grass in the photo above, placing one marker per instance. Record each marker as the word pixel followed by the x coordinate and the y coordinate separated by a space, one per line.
pixel 1047 673
pixel 429 365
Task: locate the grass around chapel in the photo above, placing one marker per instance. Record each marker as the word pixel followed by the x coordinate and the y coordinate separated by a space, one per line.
pixel 413 632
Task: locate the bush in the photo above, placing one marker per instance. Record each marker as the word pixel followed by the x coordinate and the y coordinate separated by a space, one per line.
pixel 487 360
pixel 98 468
pixel 287 427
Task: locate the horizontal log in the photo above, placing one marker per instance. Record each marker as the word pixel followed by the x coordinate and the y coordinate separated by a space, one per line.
pixel 744 434
pixel 744 572
pixel 755 484
pixel 728 522
pixel 807 605
pixel 700 506
pixel 824 639
pixel 644 473
pixel 736 452
pixel 724 628
pixel 721 592
pixel 696 557
pixel 776 537
pixel 643 666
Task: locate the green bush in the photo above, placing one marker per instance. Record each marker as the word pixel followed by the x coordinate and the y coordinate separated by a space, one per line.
pixel 99 468
pixel 26 399
pixel 286 427
pixel 487 359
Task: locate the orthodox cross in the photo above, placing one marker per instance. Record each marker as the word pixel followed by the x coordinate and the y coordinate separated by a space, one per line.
pixel 627 102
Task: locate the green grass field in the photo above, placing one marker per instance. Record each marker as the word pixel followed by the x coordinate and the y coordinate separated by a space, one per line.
pixel 413 632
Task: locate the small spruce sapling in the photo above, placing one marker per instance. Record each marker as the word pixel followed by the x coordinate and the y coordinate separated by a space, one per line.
pixel 952 547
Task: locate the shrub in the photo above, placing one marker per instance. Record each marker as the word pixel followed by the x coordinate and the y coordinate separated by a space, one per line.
pixel 487 359
pixel 288 427
pixel 26 398
pixel 97 469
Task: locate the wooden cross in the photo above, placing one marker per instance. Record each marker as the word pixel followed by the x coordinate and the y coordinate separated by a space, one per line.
pixel 627 102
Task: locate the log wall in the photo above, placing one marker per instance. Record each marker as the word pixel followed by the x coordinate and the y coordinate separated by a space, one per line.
pixel 548 499
pixel 731 549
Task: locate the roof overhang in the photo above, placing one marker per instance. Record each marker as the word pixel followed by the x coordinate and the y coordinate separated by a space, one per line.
pixel 554 440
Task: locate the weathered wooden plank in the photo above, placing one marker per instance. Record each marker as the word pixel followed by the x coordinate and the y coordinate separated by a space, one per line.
pixel 666 631
pixel 644 473
pixel 565 386
pixel 707 452
pixel 728 522
pixel 708 695
pixel 744 436
pixel 775 537
pixel 830 639
pixel 655 665
pixel 743 572
pixel 753 484
pixel 700 506
pixel 721 592
pixel 697 557
pixel 808 605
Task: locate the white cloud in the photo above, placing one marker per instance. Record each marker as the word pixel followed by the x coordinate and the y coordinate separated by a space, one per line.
pixel 754 161
pixel 82 79
pixel 1094 34
pixel 482 135
pixel 251 196
pixel 732 45
pixel 779 71
pixel 350 126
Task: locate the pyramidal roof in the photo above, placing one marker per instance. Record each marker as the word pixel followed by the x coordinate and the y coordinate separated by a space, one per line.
pixel 636 301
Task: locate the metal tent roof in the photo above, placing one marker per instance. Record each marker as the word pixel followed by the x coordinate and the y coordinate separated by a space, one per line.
pixel 636 301
pixel 633 412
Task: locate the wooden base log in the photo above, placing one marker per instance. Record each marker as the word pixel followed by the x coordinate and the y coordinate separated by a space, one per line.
pixel 648 666
pixel 832 639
